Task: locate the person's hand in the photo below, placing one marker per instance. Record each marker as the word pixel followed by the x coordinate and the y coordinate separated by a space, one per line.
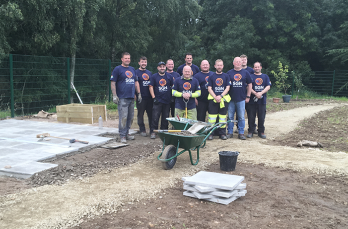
pixel 139 98
pixel 218 98
pixel 115 99
pixel 247 100
pixel 186 96
pixel 155 101
pixel 258 95
pixel 196 100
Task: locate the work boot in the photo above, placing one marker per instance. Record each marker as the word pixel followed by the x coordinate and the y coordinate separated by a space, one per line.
pixel 130 137
pixel 223 137
pixel 250 135
pixel 123 140
pixel 210 137
pixel 229 136
pixel 241 137
pixel 153 136
pixel 262 135
pixel 143 134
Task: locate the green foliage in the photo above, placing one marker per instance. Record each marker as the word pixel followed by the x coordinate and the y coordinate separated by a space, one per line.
pixel 281 77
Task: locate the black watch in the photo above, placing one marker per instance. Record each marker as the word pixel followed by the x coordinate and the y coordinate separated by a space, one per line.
pixel 248 97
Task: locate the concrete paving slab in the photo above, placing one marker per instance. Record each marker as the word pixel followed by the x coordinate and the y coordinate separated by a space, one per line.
pixel 215 180
pixel 216 200
pixel 20 148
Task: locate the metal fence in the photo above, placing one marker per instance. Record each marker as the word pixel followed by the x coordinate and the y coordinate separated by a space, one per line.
pixel 29 84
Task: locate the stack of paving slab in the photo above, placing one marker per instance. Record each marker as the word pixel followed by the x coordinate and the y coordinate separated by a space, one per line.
pixel 215 187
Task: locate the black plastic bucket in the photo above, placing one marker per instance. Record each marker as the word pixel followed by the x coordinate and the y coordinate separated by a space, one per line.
pixel 228 160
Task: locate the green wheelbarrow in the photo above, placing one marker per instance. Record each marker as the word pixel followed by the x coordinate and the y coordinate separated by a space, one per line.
pixel 172 142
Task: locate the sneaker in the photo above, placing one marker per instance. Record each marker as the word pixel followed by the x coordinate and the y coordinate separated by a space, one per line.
pixel 143 134
pixel 153 136
pixel 229 136
pixel 123 140
pixel 210 137
pixel 250 135
pixel 130 137
pixel 262 135
pixel 241 137
pixel 223 137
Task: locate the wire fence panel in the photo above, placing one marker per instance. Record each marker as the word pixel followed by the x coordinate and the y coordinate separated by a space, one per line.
pixel 5 89
pixel 340 87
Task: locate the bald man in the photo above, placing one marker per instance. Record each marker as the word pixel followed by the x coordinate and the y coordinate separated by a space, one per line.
pixel 202 101
pixel 240 94
pixel 186 89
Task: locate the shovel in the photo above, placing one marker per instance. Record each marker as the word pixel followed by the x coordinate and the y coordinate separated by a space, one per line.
pixel 185 106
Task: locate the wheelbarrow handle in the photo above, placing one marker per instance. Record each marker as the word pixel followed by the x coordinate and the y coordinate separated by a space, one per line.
pixel 162 131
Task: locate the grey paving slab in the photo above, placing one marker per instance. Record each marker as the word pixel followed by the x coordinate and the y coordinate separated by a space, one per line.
pixel 22 150
pixel 216 200
pixel 215 180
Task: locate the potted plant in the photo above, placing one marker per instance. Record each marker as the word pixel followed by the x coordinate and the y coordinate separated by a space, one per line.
pixel 281 80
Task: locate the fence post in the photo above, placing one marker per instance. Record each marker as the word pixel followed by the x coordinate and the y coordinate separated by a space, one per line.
pixel 333 82
pixel 292 85
pixel 11 86
pixel 109 80
pixel 68 79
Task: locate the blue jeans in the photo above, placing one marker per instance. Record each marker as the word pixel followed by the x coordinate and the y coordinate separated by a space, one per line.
pixel 125 116
pixel 239 108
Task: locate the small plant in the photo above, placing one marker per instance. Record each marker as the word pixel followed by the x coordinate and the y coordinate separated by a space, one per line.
pixel 281 77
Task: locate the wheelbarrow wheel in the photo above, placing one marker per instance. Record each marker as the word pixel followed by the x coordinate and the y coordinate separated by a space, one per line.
pixel 169 152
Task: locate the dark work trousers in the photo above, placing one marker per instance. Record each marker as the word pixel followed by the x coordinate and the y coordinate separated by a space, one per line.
pixel 246 108
pixel 172 107
pixel 160 110
pixel 215 110
pixel 145 105
pixel 202 109
pixel 260 110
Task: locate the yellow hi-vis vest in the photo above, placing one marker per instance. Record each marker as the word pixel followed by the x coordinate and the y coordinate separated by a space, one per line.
pixel 226 98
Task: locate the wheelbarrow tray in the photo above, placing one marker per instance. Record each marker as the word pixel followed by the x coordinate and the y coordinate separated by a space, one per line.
pixel 184 124
pixel 185 142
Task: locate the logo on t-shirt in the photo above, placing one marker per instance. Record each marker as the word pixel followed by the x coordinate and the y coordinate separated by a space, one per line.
pixel 187 86
pixel 259 81
pixel 162 82
pixel 129 74
pixel 237 77
pixel 146 76
pixel 219 82
pixel 206 79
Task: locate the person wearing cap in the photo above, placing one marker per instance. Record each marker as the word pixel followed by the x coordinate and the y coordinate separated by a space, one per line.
pixel 186 89
pixel 218 87
pixel 170 70
pixel 188 62
pixel 124 83
pixel 161 91
pixel 146 104
pixel 202 101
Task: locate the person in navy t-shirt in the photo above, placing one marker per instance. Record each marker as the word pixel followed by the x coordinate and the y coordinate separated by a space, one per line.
pixel 170 70
pixel 186 89
pixel 144 77
pixel 244 64
pixel 188 62
pixel 240 94
pixel 218 87
pixel 257 105
pixel 161 92
pixel 202 101
pixel 123 85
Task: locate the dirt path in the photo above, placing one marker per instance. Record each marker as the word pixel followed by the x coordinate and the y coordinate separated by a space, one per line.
pixel 64 206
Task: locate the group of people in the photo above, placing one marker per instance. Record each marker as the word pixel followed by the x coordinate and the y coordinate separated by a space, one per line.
pixel 196 90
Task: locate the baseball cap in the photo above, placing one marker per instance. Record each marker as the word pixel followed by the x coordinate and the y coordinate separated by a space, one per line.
pixel 161 63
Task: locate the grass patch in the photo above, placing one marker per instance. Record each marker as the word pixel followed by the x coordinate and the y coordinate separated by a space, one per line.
pixel 4 114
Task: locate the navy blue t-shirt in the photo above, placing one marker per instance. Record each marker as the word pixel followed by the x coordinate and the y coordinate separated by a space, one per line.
pixel 259 82
pixel 203 81
pixel 175 75
pixel 186 86
pixel 125 81
pixel 144 78
pixel 194 68
pixel 239 81
pixel 162 87
pixel 218 83
pixel 250 70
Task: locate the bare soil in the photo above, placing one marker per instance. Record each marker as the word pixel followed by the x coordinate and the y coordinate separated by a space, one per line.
pixel 126 187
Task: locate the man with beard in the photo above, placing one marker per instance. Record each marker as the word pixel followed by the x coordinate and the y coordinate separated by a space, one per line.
pixel 144 77
pixel 123 86
pixel 257 105
pixel 161 92
pixel 170 70
pixel 188 62
pixel 218 87
pixel 202 101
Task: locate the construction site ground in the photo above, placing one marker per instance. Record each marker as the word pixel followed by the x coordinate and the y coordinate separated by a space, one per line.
pixel 288 186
